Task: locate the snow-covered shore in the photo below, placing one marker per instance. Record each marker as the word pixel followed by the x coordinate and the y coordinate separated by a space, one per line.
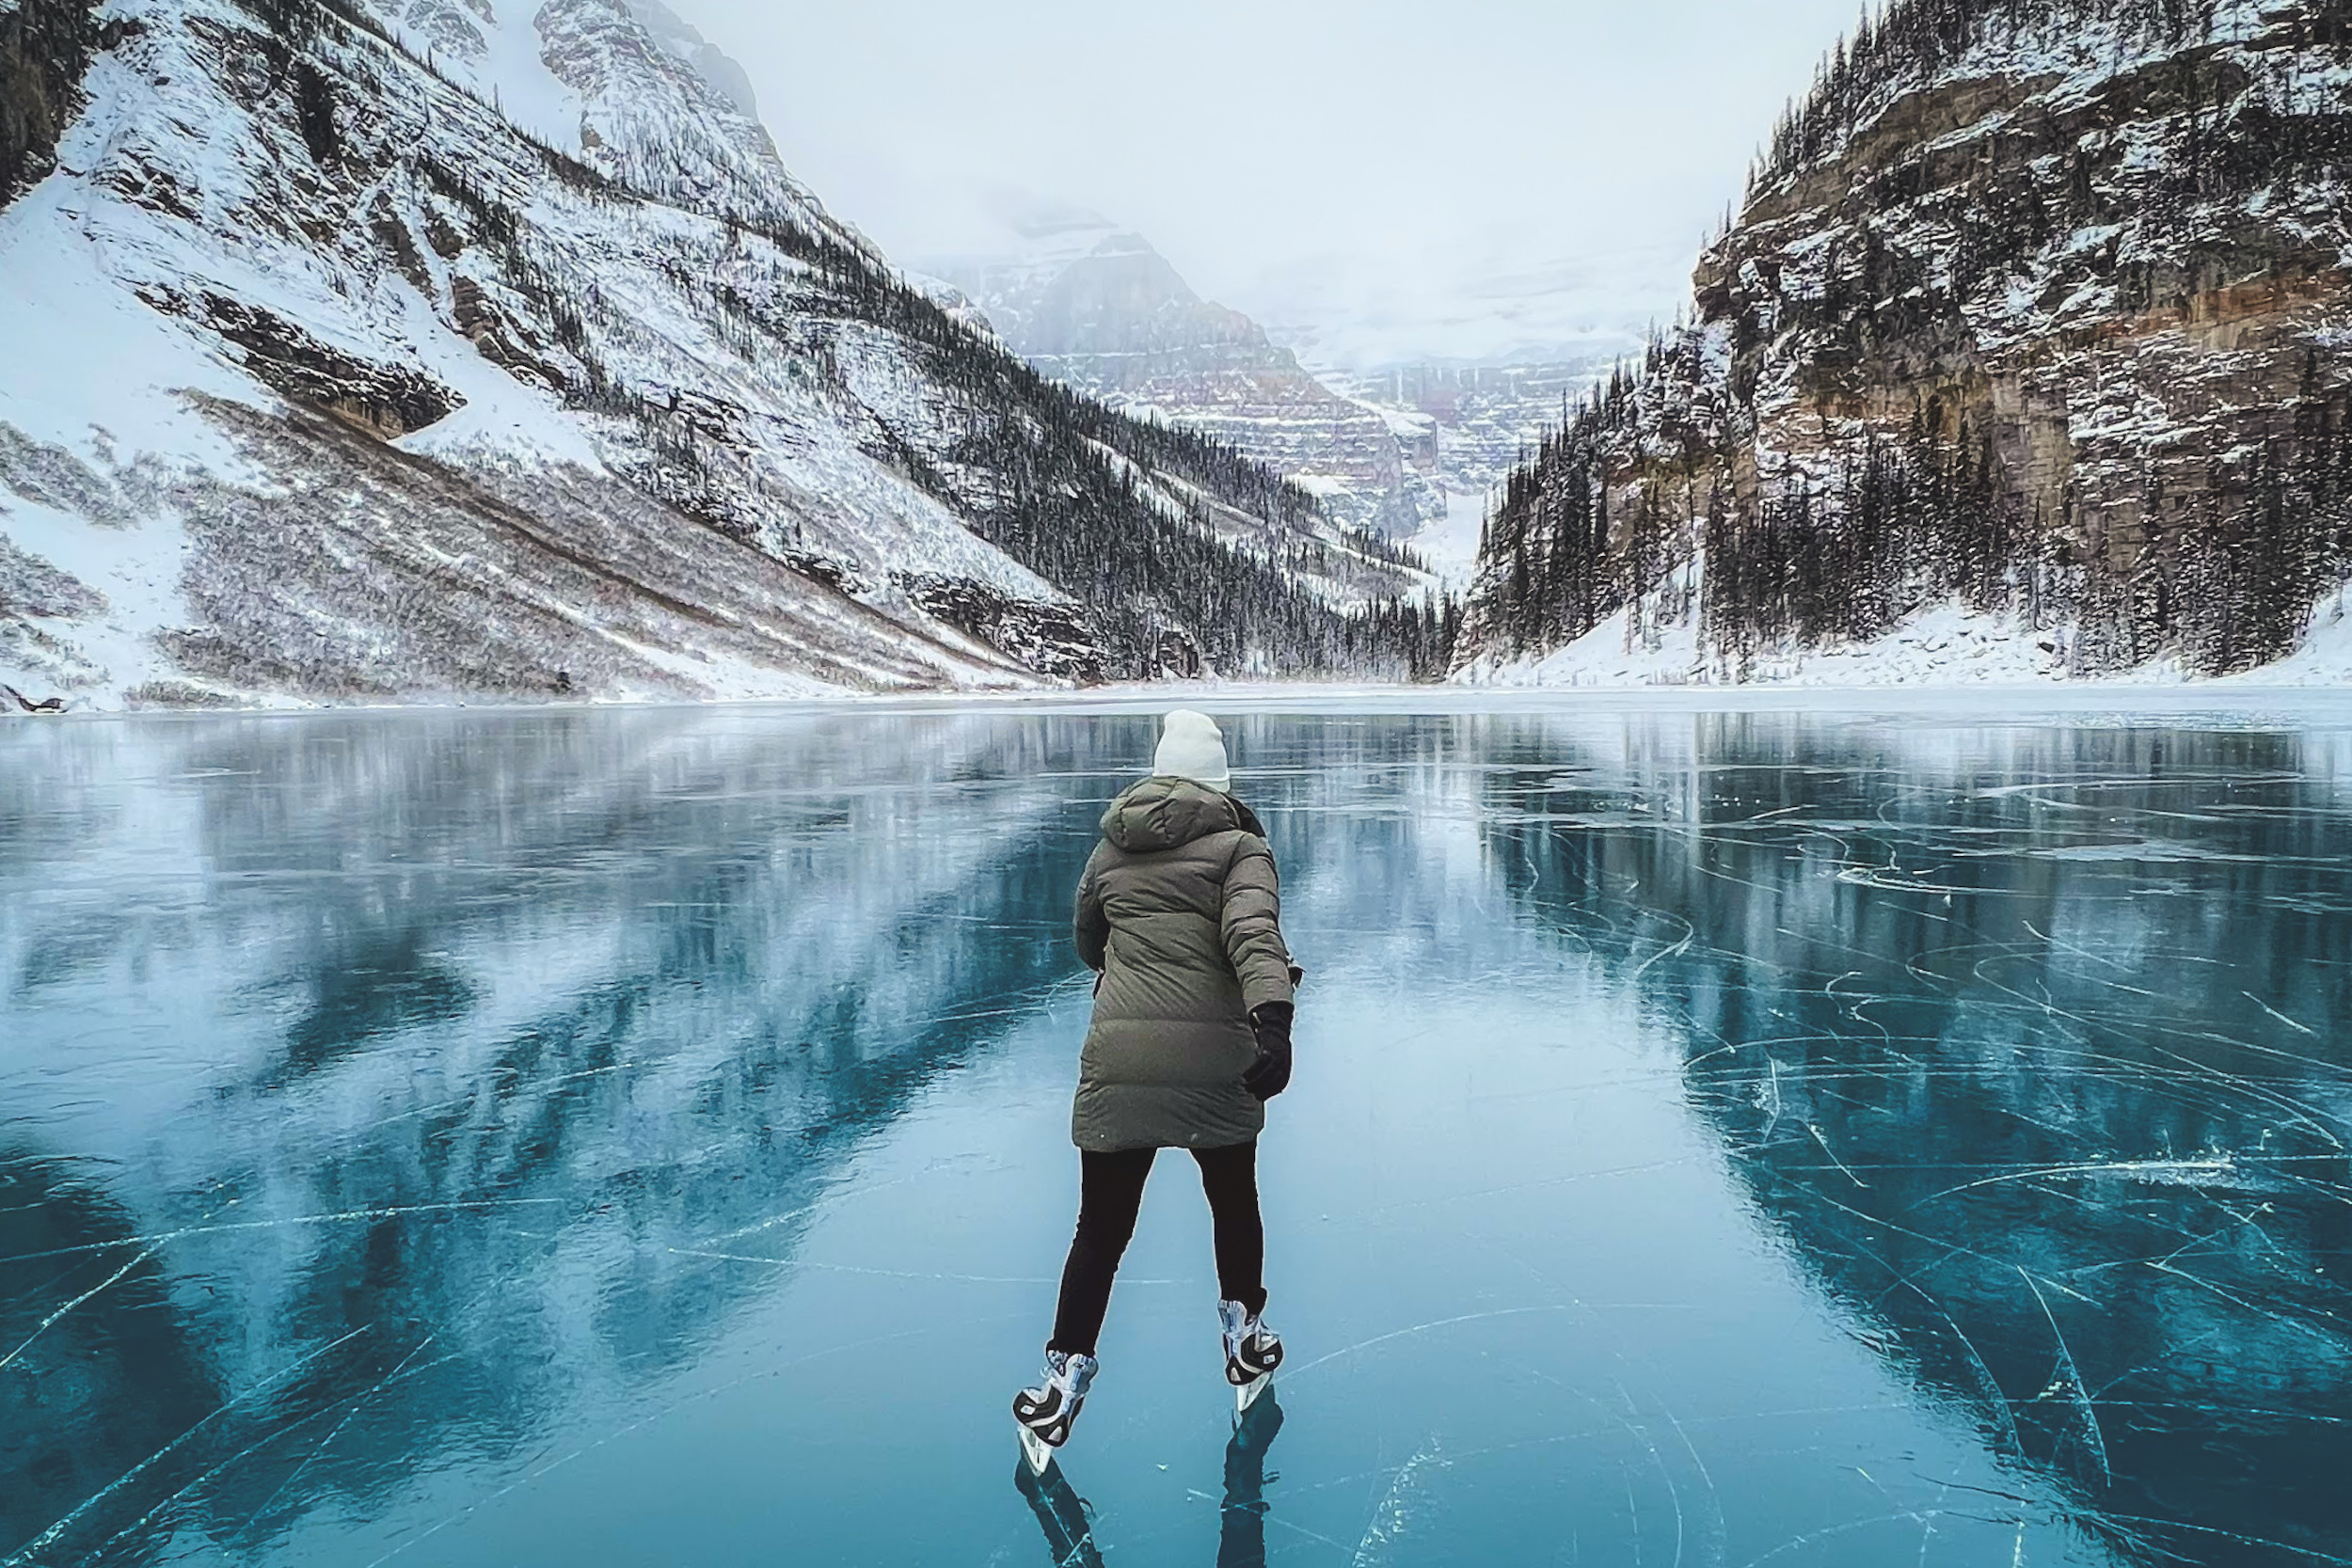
pixel 1947 646
pixel 2240 697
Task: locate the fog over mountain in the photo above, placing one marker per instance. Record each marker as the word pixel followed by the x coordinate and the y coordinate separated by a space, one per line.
pixel 1375 184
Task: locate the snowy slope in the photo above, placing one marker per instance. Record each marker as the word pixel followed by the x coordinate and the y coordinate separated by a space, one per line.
pixel 1660 640
pixel 488 349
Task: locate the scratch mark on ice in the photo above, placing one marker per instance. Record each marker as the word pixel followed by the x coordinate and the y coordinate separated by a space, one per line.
pixel 1832 1156
pixel 1424 1328
pixel 48 1537
pixel 50 1321
pixel 2072 1377
pixel 2277 1014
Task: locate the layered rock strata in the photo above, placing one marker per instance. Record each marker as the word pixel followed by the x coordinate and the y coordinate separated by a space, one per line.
pixel 2037 305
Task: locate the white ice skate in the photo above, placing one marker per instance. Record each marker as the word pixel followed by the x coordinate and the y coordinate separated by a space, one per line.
pixel 1044 1414
pixel 1252 1351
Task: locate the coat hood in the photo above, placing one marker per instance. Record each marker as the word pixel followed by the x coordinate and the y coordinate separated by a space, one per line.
pixel 1166 813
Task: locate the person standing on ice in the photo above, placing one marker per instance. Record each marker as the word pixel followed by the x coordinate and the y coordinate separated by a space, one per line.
pixel 1179 915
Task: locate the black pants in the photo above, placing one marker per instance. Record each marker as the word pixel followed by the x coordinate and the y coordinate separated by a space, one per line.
pixel 1110 1194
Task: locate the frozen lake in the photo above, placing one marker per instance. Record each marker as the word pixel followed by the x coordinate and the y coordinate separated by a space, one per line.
pixel 640 1137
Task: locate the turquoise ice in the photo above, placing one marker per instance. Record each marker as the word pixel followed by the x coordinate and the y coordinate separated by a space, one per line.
pixel 640 1137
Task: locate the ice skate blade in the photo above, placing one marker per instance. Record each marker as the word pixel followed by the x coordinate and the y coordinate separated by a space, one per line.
pixel 1246 1395
pixel 1034 1448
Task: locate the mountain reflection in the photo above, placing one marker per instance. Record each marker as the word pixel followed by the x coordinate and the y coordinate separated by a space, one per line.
pixel 395 1097
pixel 445 1046
pixel 2029 1040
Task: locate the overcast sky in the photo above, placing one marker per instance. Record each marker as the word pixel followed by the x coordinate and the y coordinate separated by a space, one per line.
pixel 1384 180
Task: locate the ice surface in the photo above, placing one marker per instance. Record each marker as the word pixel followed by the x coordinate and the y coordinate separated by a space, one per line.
pixel 1744 1137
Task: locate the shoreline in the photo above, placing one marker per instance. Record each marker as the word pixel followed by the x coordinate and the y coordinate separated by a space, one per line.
pixel 2018 703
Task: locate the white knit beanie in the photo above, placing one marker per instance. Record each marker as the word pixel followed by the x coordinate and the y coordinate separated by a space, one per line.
pixel 1192 747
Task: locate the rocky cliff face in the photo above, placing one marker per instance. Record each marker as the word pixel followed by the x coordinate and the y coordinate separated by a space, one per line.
pixel 439 347
pixel 2037 310
pixel 1097 309
pixel 705 58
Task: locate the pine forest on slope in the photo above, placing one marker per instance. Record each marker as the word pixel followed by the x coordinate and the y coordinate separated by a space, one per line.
pixel 2036 311
pixel 425 350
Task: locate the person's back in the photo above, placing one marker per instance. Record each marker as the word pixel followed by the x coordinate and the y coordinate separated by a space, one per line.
pixel 1179 911
pixel 1179 915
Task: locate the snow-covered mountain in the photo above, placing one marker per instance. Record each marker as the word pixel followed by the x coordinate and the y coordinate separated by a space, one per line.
pixel 1412 449
pixel 672 32
pixel 417 348
pixel 2026 358
pixel 1098 309
pixel 1470 424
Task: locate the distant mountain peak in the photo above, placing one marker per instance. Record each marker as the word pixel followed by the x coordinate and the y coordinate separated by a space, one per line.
pixel 1129 242
pixel 1097 308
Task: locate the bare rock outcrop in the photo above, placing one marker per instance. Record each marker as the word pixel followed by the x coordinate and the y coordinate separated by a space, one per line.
pixel 2042 305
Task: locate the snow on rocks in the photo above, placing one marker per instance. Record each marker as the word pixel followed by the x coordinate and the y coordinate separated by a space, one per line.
pixel 2036 305
pixel 494 353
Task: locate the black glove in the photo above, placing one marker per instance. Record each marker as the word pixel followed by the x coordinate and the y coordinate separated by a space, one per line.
pixel 1270 1074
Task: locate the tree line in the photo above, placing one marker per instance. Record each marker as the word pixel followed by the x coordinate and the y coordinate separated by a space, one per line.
pixel 1911 41
pixel 2223 565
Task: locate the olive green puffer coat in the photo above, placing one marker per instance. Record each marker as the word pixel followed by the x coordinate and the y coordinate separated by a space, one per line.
pixel 1180 911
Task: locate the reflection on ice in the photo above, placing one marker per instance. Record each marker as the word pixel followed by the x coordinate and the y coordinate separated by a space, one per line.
pixel 2014 1054
pixel 1068 1522
pixel 404 1049
pixel 1735 1139
pixel 1061 1513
